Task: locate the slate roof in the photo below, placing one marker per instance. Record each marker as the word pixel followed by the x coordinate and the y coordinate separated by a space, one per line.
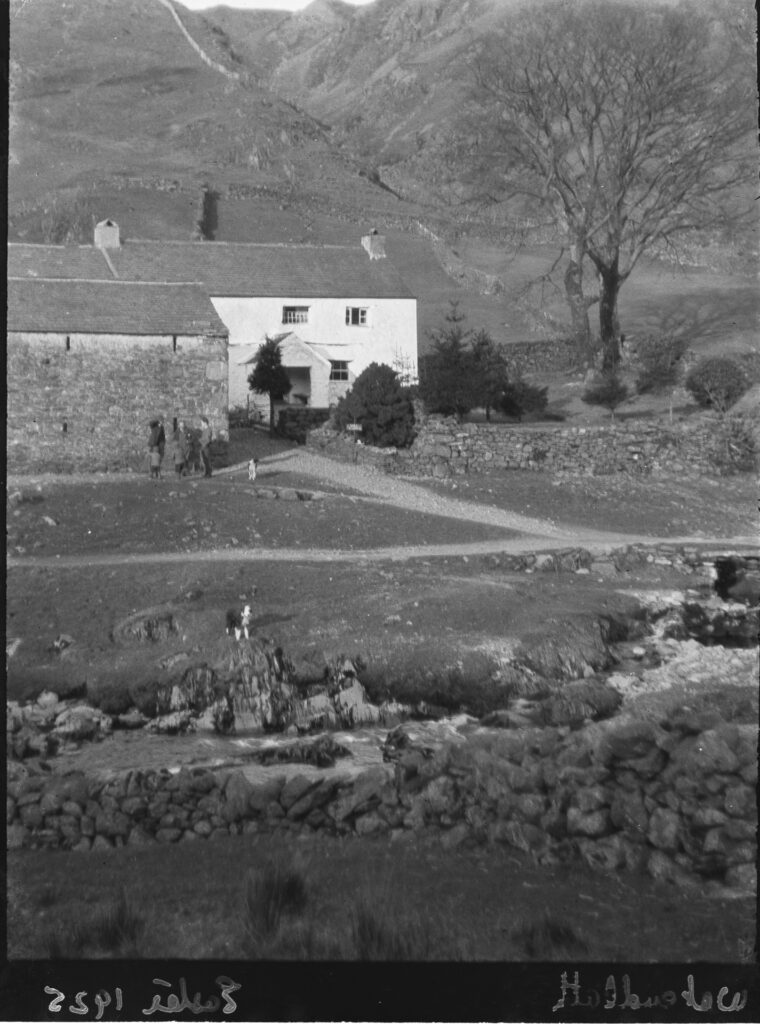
pixel 110 307
pixel 224 268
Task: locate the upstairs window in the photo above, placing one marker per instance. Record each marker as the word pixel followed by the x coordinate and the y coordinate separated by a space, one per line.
pixel 356 316
pixel 295 314
pixel 338 369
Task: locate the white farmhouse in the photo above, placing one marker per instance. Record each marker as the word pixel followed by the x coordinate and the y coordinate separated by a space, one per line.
pixel 335 309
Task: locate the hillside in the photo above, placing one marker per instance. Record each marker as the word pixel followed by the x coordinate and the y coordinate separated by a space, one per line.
pixel 298 126
pixel 115 93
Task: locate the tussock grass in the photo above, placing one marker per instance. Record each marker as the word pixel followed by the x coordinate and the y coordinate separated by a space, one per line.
pixel 273 891
pixel 378 932
pixel 115 929
pixel 548 938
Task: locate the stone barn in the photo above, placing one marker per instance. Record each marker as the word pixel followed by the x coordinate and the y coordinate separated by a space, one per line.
pixel 91 361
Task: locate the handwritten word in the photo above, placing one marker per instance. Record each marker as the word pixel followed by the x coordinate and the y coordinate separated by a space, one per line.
pixel 175 1003
pixel 591 997
pixel 102 1000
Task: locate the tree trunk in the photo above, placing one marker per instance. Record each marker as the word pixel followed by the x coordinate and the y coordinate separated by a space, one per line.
pixel 609 325
pixel 578 310
pixel 271 416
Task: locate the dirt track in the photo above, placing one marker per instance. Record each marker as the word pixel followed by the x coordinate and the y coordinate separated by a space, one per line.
pixel 538 534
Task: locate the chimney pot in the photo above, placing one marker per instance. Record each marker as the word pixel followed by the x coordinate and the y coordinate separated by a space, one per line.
pixel 375 245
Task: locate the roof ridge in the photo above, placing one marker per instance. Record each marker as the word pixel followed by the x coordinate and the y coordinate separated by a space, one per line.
pixel 250 245
pixel 111 280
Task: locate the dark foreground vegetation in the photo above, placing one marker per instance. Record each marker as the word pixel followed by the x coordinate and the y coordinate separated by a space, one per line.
pixel 268 897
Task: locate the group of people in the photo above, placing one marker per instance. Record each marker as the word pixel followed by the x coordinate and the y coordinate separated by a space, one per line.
pixel 190 449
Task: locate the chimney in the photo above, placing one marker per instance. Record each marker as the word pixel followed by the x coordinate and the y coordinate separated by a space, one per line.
pixel 107 235
pixel 375 245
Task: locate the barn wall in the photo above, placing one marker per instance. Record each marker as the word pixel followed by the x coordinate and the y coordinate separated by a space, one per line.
pixel 104 389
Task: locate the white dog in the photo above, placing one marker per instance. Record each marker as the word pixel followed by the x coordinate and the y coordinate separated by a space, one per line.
pixel 239 623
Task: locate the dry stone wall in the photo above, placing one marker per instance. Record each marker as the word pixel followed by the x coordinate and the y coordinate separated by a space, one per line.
pixel 675 799
pixel 83 402
pixel 444 448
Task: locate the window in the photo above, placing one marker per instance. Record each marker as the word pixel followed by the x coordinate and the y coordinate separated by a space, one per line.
pixel 338 369
pixel 295 314
pixel 356 316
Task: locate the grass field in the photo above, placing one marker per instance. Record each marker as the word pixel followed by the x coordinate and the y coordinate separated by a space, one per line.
pixel 482 905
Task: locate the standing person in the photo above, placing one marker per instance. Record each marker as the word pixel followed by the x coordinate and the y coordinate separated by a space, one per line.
pixel 206 445
pixel 161 437
pixel 179 449
pixel 153 442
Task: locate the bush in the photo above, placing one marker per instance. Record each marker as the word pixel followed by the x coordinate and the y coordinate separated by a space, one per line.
pixel 380 405
pixel 659 361
pixel 238 417
pixel 717 382
pixel 607 391
pixel 520 398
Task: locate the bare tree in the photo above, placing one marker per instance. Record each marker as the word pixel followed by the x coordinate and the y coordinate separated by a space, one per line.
pixel 629 124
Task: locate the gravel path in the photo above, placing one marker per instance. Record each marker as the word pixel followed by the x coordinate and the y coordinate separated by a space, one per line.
pixel 401 493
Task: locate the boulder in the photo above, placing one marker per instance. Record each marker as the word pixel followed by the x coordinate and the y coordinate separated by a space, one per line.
pixel 663 868
pixel 296 787
pixel 262 794
pixel 371 824
pixel 591 798
pixel 664 829
pixel 31 816
pixel 743 877
pixel 522 835
pixel 81 722
pixel 365 793
pixel 139 837
pixel 353 708
pixel 168 835
pixel 174 724
pixel 454 837
pixel 47 699
pixel 595 823
pixel 313 800
pixel 132 719
pixel 626 740
pixel 237 792
pixel 530 807
pixel 705 754
pixel 16 836
pixel 606 854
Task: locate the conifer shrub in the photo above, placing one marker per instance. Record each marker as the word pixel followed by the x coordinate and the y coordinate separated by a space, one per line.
pixel 608 391
pixel 381 406
pixel 522 399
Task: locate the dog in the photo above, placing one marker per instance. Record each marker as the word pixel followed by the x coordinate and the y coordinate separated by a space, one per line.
pixel 252 464
pixel 239 623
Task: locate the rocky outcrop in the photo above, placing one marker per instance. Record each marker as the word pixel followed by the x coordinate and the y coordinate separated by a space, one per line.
pixel 244 685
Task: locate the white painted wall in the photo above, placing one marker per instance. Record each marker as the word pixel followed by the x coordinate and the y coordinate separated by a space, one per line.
pixel 391 333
